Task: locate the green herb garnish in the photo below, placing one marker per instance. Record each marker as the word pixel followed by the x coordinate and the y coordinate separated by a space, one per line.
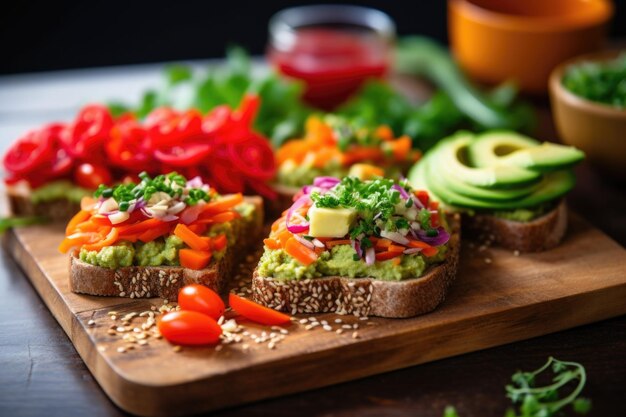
pixel 544 401
pixel 172 184
pixel 602 82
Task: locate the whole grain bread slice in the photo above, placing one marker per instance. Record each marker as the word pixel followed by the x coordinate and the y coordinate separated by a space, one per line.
pixel 538 235
pixel 59 210
pixel 363 296
pixel 166 281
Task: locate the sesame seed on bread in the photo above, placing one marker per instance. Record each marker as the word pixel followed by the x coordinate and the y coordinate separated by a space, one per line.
pixel 363 296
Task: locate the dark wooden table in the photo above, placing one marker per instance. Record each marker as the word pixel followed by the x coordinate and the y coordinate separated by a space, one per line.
pixel 41 373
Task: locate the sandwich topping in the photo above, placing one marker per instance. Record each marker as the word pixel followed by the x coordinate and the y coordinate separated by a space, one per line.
pixel 380 229
pixel 333 146
pixel 166 220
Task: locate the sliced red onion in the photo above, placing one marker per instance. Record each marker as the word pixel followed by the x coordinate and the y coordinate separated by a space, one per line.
pixel 297 228
pixel 168 218
pixel 305 242
pixel 395 237
pixel 326 182
pixel 370 256
pixel 191 213
pixel 318 243
pixel 441 239
pixel 402 191
pixel 195 182
pixel 146 213
pixel 356 245
pixel 417 202
pixel 412 251
pixel 307 189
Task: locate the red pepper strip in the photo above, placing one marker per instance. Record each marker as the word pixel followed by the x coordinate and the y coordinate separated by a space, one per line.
pixel 151 234
pixel 256 312
pixel 385 256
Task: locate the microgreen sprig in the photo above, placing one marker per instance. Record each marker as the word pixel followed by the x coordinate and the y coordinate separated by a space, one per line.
pixel 544 401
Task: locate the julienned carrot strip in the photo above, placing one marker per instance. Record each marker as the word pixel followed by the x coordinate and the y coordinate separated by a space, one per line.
pixel 108 240
pixel 257 313
pixel 428 252
pixel 300 252
pixel 194 259
pixel 383 244
pixel 271 243
pixel 78 218
pixel 332 243
pixel 190 238
pixel 223 203
pixel 396 248
pixel 283 237
pixel 223 217
pixel 418 244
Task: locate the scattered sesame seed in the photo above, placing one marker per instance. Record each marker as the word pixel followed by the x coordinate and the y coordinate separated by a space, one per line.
pixel 364 318
pixel 121 349
pixel 515 253
pixel 355 335
pixel 271 345
pixel 487 260
pixel 327 328
pixel 339 331
pixel 304 321
pixel 338 321
pixel 102 348
pixel 91 323
pixel 177 348
pixel 218 348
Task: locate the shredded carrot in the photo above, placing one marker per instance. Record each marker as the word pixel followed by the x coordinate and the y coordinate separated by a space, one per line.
pixel 384 256
pixel 139 227
pixel 78 239
pixel 190 238
pixel 271 243
pixel 300 252
pixel 224 203
pixel 283 237
pixel 151 234
pixel 223 217
pixel 383 244
pixel 194 259
pixel 338 242
pixel 396 248
pixel 87 203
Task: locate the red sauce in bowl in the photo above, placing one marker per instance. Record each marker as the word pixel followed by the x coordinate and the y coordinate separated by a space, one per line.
pixel 332 62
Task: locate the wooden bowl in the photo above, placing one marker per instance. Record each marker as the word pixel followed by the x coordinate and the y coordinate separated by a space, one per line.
pixel 496 40
pixel 597 129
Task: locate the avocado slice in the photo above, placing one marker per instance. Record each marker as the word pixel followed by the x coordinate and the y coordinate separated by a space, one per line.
pixel 452 153
pixel 554 185
pixel 488 149
pixel 512 149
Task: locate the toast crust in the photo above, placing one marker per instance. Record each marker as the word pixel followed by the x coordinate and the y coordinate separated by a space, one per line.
pixel 363 296
pixel 164 281
pixel 538 235
pixel 58 210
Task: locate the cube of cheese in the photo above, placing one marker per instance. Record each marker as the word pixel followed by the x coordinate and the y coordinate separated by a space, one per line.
pixel 330 222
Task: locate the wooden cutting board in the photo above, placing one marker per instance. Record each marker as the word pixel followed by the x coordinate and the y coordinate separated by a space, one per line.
pixel 491 303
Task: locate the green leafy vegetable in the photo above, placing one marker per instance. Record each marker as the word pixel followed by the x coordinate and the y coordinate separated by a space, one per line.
pixel 11 222
pixel 545 401
pixel 603 82
pixel 424 57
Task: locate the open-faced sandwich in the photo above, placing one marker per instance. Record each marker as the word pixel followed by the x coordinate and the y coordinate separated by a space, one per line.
pixel 152 238
pixel 358 247
pixel 335 146
pixel 508 186
pixel 51 168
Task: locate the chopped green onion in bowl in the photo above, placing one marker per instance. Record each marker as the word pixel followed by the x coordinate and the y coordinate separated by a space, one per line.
pixel 599 81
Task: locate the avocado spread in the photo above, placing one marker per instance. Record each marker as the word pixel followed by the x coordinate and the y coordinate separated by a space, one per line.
pixel 339 261
pixel 156 253
pixel 57 190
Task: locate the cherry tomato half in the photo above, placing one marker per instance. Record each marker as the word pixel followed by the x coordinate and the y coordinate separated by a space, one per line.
pixel 189 328
pixel 201 299
pixel 256 312
pixel 90 176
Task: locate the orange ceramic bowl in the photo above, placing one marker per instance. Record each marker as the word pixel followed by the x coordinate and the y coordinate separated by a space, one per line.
pixel 595 128
pixel 524 40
